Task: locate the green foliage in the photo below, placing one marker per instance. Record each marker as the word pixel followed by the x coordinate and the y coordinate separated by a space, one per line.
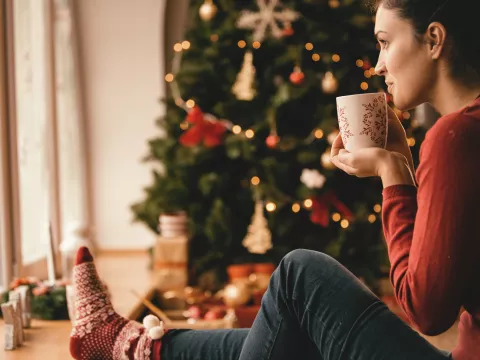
pixel 213 184
pixel 51 305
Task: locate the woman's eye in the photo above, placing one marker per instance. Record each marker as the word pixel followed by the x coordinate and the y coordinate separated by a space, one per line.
pixel 383 44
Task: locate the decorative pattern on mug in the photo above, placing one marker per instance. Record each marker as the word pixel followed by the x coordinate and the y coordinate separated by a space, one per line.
pixel 344 126
pixel 374 121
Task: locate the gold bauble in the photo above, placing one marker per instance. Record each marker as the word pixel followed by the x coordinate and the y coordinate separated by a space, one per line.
pixel 237 294
pixel 326 162
pixel 208 10
pixel 329 83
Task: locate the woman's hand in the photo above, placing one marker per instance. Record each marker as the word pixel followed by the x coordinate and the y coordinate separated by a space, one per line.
pixel 363 163
pixel 391 166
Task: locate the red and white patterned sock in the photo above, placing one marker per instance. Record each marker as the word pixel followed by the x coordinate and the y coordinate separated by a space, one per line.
pixel 99 332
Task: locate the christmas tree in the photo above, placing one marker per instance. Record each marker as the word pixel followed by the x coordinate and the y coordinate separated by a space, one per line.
pixel 249 125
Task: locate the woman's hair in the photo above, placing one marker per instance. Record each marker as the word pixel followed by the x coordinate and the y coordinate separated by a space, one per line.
pixel 460 18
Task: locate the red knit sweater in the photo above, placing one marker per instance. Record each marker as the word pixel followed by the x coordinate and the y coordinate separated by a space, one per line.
pixel 433 232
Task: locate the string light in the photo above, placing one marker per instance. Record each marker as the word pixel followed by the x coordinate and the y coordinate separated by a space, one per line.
pixel 184 125
pixel 256 44
pixel 336 217
pixel 372 71
pixel 309 46
pixel 336 57
pixel 315 57
pixel 308 203
pixel 214 37
pixel 190 104
pixel 377 208
pixel 296 208
pixel 271 206
pixel 411 142
pixel 372 218
pixel 169 77
pixel 319 133
pixel 177 47
pixel 367 74
pixel 249 133
pixel 242 44
pixel 364 86
pixel 255 180
pixel 236 129
pixel 359 62
pixel 186 45
pixel 344 223
pixel 334 3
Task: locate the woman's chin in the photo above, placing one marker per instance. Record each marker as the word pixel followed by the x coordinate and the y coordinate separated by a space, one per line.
pixel 404 104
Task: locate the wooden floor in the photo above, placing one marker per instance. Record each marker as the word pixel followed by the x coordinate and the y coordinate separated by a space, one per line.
pixel 122 273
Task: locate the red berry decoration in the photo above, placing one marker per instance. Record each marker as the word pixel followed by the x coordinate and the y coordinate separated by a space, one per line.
pixel 297 76
pixel 272 141
pixel 367 65
pixel 288 31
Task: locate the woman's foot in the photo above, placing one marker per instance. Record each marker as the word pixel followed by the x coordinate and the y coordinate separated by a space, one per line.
pixel 99 332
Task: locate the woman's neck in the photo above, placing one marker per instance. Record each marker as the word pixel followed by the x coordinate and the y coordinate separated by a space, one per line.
pixel 450 96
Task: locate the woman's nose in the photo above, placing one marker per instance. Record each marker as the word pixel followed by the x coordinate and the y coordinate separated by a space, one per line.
pixel 380 68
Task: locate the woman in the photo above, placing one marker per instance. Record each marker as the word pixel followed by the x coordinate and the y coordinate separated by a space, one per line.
pixel 314 308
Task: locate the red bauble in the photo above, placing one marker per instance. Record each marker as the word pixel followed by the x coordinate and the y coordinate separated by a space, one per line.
pixel 288 31
pixel 272 141
pixel 194 312
pixel 367 65
pixel 297 77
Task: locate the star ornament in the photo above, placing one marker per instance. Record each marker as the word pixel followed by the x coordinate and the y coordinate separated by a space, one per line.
pixel 270 14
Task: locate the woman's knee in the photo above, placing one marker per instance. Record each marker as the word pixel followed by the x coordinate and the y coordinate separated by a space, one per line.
pixel 305 261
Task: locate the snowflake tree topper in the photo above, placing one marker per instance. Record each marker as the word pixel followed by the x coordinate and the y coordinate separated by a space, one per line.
pixel 267 17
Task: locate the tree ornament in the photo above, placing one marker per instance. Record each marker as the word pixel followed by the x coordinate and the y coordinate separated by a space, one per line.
pixel 266 18
pixel 297 76
pixel 208 10
pixel 367 65
pixel 208 132
pixel 259 238
pixel 288 31
pixel 272 141
pixel 243 88
pixel 329 83
pixel 237 294
pixel 312 179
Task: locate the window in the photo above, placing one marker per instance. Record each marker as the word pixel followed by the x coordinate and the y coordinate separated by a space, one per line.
pixel 42 153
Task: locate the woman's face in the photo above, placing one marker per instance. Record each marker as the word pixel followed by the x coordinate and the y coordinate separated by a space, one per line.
pixel 405 62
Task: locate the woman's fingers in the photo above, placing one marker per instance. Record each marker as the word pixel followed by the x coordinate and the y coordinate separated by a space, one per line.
pixel 336 146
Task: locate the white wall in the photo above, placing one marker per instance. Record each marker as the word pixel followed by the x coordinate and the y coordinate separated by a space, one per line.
pixel 120 42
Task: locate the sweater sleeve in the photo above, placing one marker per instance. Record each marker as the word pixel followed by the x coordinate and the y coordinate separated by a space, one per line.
pixel 429 230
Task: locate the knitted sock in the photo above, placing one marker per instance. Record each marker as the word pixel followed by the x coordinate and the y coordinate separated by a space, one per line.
pixel 99 332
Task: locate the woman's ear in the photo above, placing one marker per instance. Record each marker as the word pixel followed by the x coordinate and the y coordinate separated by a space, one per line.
pixel 436 36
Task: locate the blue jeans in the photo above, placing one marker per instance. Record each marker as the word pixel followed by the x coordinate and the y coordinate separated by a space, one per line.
pixel 314 308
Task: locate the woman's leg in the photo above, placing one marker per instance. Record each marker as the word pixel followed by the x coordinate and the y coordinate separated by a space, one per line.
pixel 225 345
pixel 313 295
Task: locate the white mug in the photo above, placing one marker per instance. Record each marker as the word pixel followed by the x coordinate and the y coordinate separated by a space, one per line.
pixel 362 120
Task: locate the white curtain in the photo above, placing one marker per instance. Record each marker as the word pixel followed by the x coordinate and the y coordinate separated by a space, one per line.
pixel 70 123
